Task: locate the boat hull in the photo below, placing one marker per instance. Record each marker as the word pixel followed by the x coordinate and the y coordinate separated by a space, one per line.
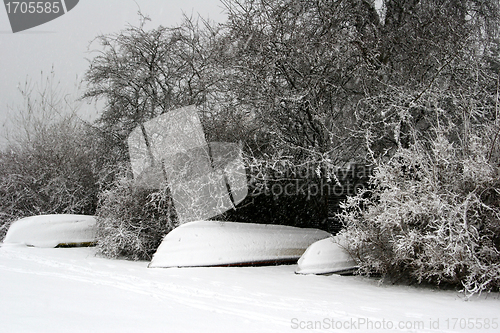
pixel 53 230
pixel 327 256
pixel 214 243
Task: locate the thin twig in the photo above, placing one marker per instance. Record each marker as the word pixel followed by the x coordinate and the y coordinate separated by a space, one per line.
pixel 496 120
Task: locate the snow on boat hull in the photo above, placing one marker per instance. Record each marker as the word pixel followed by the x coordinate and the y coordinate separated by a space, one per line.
pixel 214 243
pixel 53 230
pixel 326 256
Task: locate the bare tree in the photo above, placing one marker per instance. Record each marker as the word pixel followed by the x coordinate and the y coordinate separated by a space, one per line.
pixel 143 73
pixel 309 69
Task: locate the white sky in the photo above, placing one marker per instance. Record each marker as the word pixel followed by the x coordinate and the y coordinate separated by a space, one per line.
pixel 63 42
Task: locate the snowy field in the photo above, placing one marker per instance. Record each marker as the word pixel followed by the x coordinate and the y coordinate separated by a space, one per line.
pixel 72 290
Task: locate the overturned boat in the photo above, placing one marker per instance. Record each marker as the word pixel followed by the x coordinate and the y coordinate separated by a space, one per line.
pixel 215 243
pixel 55 230
pixel 327 256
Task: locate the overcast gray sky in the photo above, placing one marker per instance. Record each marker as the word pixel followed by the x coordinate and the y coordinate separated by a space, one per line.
pixel 63 42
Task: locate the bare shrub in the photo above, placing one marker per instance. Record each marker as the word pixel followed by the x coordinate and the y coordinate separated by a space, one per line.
pixel 49 165
pixel 54 162
pixel 132 221
pixel 432 214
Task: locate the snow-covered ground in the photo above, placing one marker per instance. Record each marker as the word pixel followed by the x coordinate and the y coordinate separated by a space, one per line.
pixel 72 290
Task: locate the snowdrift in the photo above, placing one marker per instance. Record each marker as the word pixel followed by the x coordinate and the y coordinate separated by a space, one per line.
pixel 52 231
pixel 325 257
pixel 214 243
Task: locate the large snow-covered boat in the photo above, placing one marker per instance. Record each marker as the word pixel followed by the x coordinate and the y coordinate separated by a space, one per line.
pixel 215 243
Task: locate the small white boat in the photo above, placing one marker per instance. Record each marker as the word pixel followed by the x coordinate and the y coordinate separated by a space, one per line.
pixel 214 243
pixel 52 231
pixel 327 256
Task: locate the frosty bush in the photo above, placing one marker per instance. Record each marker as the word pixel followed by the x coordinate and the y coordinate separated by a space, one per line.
pixel 432 214
pixel 51 163
pixel 51 173
pixel 4 227
pixel 132 221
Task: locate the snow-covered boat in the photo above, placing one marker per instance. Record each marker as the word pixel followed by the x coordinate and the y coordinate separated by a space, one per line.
pixel 53 230
pixel 214 243
pixel 327 256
